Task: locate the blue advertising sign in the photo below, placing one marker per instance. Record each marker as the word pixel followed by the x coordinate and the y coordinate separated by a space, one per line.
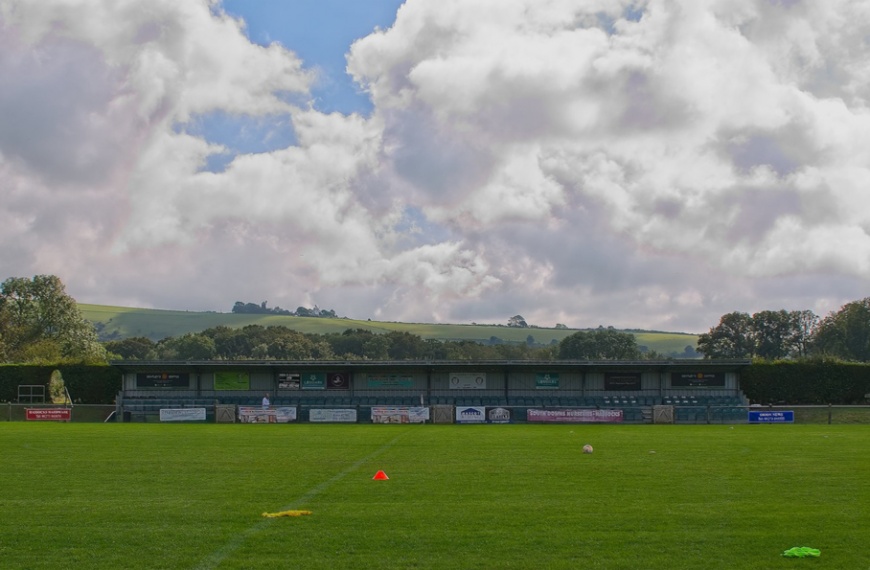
pixel 770 417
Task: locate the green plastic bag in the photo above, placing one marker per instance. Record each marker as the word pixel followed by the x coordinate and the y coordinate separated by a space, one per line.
pixel 802 552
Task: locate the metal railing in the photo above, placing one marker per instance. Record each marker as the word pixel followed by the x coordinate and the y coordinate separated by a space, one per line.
pixel 12 412
pixel 691 414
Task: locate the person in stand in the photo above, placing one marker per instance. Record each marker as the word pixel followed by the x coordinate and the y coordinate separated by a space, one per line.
pixel 266 401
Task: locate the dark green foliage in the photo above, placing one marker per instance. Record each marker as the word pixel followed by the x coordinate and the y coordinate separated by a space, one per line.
pixel 405 346
pixel 39 323
pixel 806 382
pixel 135 348
pixel 846 333
pixel 86 384
pixel 262 309
pixel 600 344
pixel 729 339
pixel 765 334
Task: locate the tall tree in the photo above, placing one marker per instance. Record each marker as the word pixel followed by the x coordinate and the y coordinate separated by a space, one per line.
pixel 600 344
pixel 37 316
pixel 771 334
pixel 846 333
pixel 731 338
pixel 518 321
pixel 404 345
pixel 133 348
pixel 803 327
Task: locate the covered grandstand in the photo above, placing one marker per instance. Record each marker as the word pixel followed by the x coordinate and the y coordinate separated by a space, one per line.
pixel 682 391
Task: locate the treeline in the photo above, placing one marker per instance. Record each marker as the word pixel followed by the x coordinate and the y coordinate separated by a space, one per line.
pixel 775 335
pixel 41 324
pixel 263 309
pixel 280 343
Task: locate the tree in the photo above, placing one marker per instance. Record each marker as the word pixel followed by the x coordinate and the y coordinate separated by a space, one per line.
pixel 518 321
pixel 192 346
pixel 133 348
pixel 803 327
pixel 771 334
pixel 404 345
pixel 600 344
pixel 731 338
pixel 766 334
pixel 846 333
pixel 37 315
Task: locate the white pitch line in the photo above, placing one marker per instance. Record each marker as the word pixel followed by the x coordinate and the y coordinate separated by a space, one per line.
pixel 218 556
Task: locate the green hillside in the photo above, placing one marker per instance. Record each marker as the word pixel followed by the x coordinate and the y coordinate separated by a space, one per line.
pixel 156 324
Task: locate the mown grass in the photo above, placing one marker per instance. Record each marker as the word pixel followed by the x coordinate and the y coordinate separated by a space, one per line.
pixel 125 322
pixel 516 496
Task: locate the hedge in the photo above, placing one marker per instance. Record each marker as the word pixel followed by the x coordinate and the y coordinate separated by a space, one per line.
pixel 806 382
pixel 86 384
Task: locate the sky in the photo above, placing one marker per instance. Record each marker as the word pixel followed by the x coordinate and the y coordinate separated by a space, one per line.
pixel 648 164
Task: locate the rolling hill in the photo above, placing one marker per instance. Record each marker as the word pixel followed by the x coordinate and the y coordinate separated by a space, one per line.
pixel 114 323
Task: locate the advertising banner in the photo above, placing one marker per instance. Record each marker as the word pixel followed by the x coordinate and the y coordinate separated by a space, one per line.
pixel 470 415
pixel 698 379
pixel 337 381
pixel 622 381
pixel 254 415
pixel 182 415
pixel 468 380
pixel 574 416
pixel 418 414
pixel 288 380
pixel 399 414
pixel 770 417
pixel 232 381
pixel 546 381
pixel 314 381
pixel 163 380
pixel 391 381
pixel 498 415
pixel 48 414
pixel 332 416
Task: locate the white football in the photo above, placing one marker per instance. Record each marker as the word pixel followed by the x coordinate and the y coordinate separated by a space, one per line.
pixel 587 448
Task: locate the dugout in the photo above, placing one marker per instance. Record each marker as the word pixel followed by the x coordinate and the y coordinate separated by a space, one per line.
pixel 635 386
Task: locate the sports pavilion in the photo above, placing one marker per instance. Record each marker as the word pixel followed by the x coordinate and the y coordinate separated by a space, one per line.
pixel 682 391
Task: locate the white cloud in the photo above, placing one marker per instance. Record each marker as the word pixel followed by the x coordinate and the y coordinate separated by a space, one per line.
pixel 637 163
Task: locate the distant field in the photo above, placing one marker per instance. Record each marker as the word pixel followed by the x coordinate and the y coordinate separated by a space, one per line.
pixel 142 496
pixel 123 322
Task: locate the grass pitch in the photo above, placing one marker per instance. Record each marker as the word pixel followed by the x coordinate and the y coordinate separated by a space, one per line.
pixel 512 496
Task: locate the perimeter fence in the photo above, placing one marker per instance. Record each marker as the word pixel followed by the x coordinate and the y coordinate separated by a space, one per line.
pixel 10 412
pixel 686 415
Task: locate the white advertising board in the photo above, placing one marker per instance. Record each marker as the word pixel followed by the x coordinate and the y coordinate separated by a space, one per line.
pixel 182 415
pixel 332 416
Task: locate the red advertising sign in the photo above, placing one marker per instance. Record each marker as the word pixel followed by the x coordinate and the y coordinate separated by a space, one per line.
pixel 574 416
pixel 49 414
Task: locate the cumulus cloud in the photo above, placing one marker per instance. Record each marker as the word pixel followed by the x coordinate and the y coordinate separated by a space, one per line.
pixel 641 163
pixel 725 137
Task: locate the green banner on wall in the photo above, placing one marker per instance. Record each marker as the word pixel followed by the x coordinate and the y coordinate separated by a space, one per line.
pixel 546 381
pixel 232 381
pixel 314 381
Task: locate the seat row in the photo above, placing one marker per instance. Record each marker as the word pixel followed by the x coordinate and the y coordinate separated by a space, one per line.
pixel 690 403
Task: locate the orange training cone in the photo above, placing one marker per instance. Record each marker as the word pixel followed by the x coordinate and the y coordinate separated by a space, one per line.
pixel 380 476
